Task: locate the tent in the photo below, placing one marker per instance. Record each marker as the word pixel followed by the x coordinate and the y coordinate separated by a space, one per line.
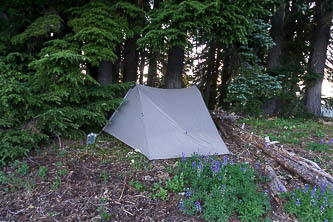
pixel 165 123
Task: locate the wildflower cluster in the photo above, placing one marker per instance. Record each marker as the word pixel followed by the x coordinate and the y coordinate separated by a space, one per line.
pixel 322 146
pixel 311 203
pixel 217 188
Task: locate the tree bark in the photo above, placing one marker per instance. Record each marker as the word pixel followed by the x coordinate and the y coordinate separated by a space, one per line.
pixel 272 106
pixel 226 76
pixel 318 56
pixel 210 70
pixel 152 69
pixel 142 66
pixel 213 86
pixel 131 59
pixel 116 65
pixel 175 67
pixel 277 36
pixel 104 76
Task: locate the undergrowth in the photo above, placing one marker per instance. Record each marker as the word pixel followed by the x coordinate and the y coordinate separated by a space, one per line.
pixel 311 203
pixel 218 190
pixel 288 131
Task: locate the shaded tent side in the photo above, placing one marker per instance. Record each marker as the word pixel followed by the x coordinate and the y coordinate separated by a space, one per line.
pixel 126 123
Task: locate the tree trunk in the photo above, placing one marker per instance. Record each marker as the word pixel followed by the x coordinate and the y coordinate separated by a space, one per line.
pixel 142 66
pixel 213 86
pixel 226 76
pixel 175 67
pixel 318 56
pixel 152 69
pixel 272 106
pixel 116 65
pixel 104 76
pixel 210 70
pixel 277 36
pixel 131 59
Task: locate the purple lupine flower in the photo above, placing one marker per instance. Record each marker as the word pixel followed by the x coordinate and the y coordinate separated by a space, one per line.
pixel 306 187
pixel 183 157
pixel 215 166
pixel 257 166
pixel 219 177
pixel 231 162
pixel 313 192
pixel 298 203
pixel 197 204
pixel 225 159
pixel 293 195
pixel 188 192
pixel 324 186
pixel 223 189
pixel 321 142
pixel 181 205
pixel 244 169
pixel 326 220
pixel 194 164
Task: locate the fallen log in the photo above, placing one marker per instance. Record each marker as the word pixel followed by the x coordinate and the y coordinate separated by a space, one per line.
pixel 305 169
pixel 275 185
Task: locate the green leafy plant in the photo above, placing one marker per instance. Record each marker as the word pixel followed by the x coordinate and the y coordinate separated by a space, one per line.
pixel 29 184
pixel 104 174
pixel 250 88
pixel 3 178
pixel 160 192
pixel 56 184
pixel 217 189
pixel 20 168
pixel 62 172
pixel 104 213
pixel 42 172
pixel 176 183
pixel 137 185
pixel 321 146
pixel 310 203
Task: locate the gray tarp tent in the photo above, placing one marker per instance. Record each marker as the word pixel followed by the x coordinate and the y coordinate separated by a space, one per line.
pixel 165 123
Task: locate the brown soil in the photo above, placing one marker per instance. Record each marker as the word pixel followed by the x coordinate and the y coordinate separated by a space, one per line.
pixel 83 194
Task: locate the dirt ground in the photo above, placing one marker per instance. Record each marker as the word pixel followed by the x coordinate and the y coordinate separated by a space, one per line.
pixel 94 184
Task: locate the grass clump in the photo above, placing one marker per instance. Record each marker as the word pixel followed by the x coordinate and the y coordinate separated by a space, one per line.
pixel 311 203
pixel 220 189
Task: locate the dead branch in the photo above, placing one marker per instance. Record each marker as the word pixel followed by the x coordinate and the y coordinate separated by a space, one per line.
pixel 304 168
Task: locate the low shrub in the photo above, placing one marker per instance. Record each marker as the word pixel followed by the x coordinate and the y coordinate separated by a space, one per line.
pixel 219 189
pixel 311 203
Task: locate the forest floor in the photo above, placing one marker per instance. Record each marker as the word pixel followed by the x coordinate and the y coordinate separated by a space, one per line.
pixel 109 181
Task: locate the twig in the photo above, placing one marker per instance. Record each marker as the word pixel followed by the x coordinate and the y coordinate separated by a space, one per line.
pixel 59 142
pixel 128 212
pixel 122 192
